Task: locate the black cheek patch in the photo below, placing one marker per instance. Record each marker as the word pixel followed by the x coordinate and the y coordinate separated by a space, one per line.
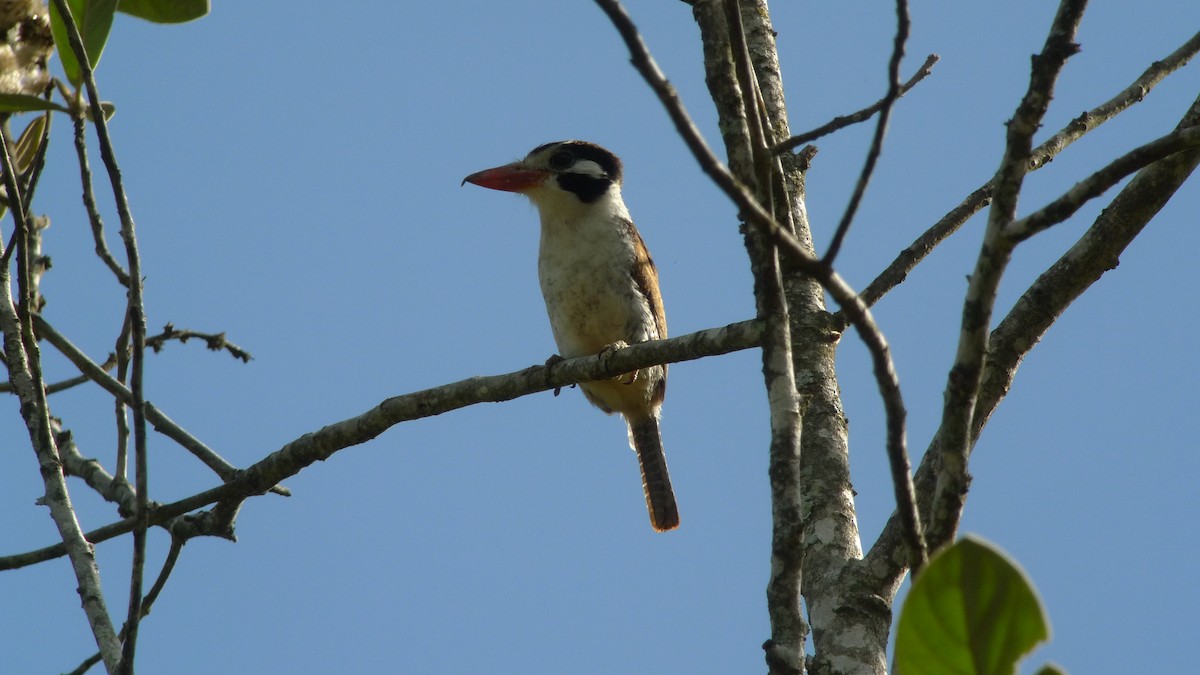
pixel 587 188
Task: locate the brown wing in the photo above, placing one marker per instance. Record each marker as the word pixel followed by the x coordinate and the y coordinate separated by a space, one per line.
pixel 645 277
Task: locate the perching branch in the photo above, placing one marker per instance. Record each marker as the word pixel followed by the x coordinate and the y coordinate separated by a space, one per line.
pixel 322 444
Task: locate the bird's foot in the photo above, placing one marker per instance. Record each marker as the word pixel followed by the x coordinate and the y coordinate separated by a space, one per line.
pixel 554 360
pixel 613 348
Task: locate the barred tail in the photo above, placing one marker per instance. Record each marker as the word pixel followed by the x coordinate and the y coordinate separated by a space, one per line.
pixel 656 482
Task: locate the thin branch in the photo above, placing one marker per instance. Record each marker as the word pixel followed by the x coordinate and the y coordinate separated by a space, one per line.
pixel 843 121
pixel 24 363
pixel 1134 93
pixel 89 203
pixel 910 257
pixel 885 114
pixel 147 602
pixel 92 472
pixel 159 419
pixel 962 385
pixel 137 319
pixel 62 385
pixel 859 315
pixel 322 444
pixel 1099 182
pixel 1031 317
pixel 214 341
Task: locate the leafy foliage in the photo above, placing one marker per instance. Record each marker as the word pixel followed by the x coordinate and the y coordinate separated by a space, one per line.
pixel 972 612
pixel 165 11
pixel 94 18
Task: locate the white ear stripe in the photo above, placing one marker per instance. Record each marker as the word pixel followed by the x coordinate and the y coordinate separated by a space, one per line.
pixel 587 167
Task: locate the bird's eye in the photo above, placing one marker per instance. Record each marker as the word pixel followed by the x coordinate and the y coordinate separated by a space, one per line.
pixel 562 159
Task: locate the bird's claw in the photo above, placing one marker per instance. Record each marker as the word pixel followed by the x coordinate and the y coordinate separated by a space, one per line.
pixel 613 348
pixel 554 360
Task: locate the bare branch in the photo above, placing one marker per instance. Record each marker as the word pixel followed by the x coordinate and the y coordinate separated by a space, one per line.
pixel 1134 93
pixel 322 444
pixel 159 419
pixel 1094 254
pixel 24 370
pixel 1099 182
pixel 910 257
pixel 137 319
pixel 89 203
pixel 843 121
pixel 963 382
pixel 93 473
pixel 885 113
pixel 148 601
pixel 214 341
pixel 897 271
pixel 785 649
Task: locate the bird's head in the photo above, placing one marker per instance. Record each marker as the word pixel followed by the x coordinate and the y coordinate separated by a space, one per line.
pixel 564 175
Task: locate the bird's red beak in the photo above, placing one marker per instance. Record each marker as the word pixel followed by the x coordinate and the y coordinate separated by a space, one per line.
pixel 509 178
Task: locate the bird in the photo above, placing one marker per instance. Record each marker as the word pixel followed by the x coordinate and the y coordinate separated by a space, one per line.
pixel 600 287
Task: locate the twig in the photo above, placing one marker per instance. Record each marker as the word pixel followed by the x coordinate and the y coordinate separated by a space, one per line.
pixel 1134 93
pixel 1096 184
pixel 863 115
pixel 885 113
pixel 159 419
pixel 962 385
pixel 214 341
pixel 92 472
pixel 322 444
pixel 910 257
pixel 89 203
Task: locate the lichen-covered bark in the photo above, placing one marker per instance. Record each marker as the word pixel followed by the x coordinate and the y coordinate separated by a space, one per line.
pixel 850 623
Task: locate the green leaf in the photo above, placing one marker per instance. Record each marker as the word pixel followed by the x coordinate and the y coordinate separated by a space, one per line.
pixel 1051 669
pixel 94 19
pixel 14 103
pixel 165 11
pixel 971 612
pixel 30 143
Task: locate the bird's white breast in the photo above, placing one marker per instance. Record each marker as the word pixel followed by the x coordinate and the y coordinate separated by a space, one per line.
pixel 585 267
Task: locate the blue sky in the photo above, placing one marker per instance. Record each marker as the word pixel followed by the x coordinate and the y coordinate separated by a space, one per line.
pixel 294 173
